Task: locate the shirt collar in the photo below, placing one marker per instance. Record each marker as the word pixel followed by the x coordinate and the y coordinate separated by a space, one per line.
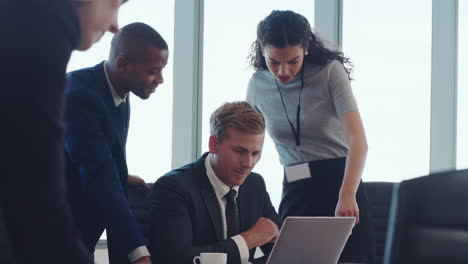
pixel 219 187
pixel 115 96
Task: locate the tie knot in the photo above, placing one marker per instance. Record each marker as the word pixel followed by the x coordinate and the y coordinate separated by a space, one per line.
pixel 231 195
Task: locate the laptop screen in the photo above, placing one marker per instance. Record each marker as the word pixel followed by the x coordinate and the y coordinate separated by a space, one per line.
pixel 311 240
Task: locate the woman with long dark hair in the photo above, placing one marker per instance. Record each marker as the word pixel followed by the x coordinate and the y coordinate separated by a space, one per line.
pixel 303 90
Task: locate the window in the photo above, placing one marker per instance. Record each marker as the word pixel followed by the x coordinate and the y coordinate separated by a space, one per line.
pixel 150 135
pixel 389 43
pixel 462 138
pixel 230 29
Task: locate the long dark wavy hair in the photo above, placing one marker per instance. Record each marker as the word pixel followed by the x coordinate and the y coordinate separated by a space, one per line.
pixel 283 28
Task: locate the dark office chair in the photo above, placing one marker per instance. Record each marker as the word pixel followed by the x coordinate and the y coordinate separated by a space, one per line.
pixel 429 220
pixel 380 199
pixel 141 206
pixel 6 254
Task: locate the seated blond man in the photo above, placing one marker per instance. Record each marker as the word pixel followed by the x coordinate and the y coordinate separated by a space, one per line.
pixel 216 203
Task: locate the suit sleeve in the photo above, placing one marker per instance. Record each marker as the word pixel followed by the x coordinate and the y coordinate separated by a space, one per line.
pixel 171 230
pixel 87 145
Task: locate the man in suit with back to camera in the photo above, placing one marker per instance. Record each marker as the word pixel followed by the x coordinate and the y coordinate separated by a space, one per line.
pixel 38 38
pixel 216 203
pixel 97 119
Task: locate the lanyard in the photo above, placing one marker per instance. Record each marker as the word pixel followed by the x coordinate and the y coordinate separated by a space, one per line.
pixel 296 133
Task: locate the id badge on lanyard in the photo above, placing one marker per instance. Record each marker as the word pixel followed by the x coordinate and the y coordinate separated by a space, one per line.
pixel 297 172
pixel 300 171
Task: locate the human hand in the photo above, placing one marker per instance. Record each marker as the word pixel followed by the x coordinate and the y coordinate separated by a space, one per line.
pixel 347 206
pixel 262 232
pixel 143 260
pixel 138 182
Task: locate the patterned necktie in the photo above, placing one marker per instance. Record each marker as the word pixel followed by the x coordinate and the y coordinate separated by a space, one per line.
pixel 232 215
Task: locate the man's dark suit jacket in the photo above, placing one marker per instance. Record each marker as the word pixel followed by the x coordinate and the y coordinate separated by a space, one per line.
pixel 95 139
pixel 186 217
pixel 37 40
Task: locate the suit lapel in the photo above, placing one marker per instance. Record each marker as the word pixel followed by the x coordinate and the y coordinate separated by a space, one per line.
pixel 102 85
pixel 116 117
pixel 212 206
pixel 243 205
pixel 127 117
pixel 209 197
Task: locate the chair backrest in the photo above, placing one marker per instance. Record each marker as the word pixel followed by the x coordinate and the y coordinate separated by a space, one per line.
pixel 429 220
pixel 141 207
pixel 6 254
pixel 380 198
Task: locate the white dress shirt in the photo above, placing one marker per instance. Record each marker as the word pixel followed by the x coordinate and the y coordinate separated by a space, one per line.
pixel 141 251
pixel 221 190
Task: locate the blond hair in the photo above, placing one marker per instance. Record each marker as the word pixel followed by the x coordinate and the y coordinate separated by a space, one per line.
pixel 239 115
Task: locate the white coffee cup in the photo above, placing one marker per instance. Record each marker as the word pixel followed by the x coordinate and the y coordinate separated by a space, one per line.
pixel 211 258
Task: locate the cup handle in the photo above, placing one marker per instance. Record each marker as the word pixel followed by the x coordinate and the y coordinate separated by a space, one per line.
pixel 195 259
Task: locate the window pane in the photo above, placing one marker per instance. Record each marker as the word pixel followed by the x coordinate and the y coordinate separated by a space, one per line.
pixel 149 139
pixel 462 138
pixel 392 58
pixel 227 41
pixel 150 135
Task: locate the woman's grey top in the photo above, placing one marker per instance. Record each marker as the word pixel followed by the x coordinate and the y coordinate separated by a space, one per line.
pixel 325 97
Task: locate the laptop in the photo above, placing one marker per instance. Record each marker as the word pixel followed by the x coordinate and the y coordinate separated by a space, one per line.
pixel 317 240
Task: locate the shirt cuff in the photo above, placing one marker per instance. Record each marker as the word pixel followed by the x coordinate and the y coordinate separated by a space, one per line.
pixel 243 249
pixel 138 253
